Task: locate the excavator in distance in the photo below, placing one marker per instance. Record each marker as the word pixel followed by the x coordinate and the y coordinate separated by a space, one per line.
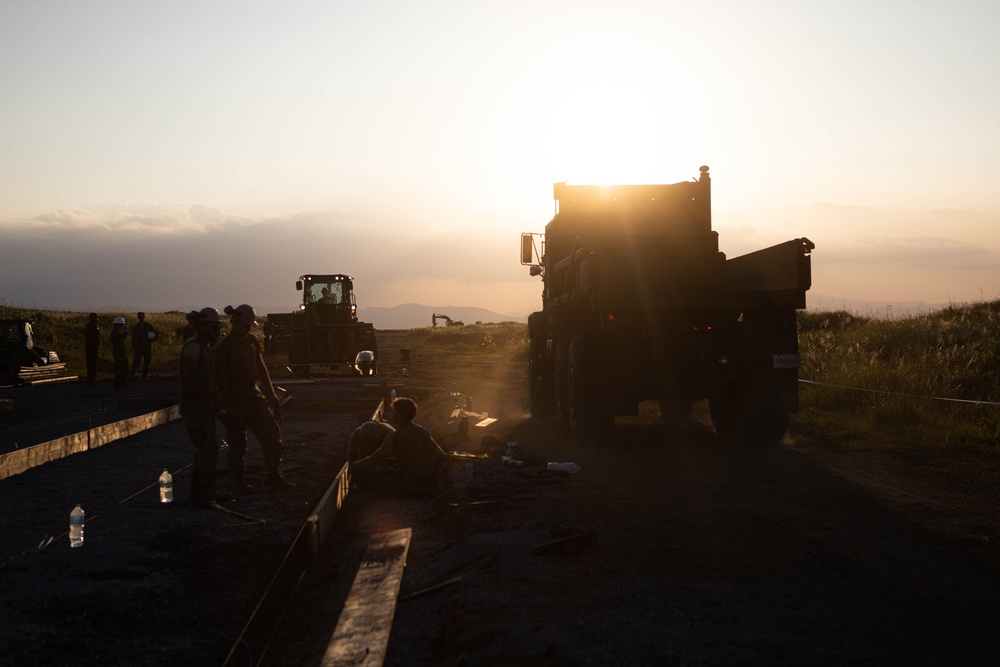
pixel 447 320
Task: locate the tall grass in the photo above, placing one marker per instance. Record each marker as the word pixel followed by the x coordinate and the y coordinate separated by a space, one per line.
pixel 884 379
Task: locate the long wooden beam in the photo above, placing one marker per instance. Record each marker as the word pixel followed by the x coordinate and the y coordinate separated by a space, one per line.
pixel 16 462
pixel 362 633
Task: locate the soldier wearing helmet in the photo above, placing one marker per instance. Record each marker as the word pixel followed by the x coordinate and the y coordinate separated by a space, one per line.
pixel 119 334
pixel 248 400
pixel 200 402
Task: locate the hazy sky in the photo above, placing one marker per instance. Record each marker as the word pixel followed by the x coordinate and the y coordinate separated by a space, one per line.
pixel 172 154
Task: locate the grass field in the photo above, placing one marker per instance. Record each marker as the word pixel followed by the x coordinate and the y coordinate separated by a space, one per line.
pixel 923 381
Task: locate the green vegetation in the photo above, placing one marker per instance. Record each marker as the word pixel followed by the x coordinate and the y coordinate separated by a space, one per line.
pixel 62 332
pixel 888 377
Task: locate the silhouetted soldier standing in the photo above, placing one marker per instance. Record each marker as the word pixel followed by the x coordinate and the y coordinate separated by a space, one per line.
pixel 191 328
pixel 92 346
pixel 119 332
pixel 200 402
pixel 143 335
pixel 248 400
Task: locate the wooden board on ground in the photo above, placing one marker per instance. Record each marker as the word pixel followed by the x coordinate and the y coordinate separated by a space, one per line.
pixel 362 632
pixel 16 462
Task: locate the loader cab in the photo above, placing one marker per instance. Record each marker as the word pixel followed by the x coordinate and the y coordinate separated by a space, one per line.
pixel 328 298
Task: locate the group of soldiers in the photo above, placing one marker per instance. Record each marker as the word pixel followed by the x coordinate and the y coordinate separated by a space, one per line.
pixel 226 376
pixel 229 374
pixel 142 335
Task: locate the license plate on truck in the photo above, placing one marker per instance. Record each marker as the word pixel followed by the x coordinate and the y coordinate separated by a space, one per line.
pixel 786 361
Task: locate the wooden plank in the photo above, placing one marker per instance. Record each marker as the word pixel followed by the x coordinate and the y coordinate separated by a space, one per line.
pixel 322 517
pixel 144 402
pixel 362 633
pixel 102 435
pixel 55 380
pixel 16 462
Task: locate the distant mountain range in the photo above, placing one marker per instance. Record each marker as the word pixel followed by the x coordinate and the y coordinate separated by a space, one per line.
pixel 876 309
pixel 412 315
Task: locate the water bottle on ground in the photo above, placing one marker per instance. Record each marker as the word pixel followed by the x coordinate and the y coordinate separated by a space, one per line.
pixel 76 520
pixel 568 466
pixel 166 487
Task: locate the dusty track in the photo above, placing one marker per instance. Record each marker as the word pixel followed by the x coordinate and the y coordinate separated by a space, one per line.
pixel 705 553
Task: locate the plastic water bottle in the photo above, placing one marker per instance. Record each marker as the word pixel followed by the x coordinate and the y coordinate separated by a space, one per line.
pixel 392 396
pixel 166 487
pixel 568 466
pixel 76 520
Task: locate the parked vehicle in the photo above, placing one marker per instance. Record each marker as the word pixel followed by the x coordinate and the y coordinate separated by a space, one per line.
pixel 638 303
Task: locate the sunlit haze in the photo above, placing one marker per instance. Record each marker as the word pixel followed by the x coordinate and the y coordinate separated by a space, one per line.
pixel 178 154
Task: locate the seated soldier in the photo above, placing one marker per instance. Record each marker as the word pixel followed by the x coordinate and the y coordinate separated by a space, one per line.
pixel 418 460
pixel 366 439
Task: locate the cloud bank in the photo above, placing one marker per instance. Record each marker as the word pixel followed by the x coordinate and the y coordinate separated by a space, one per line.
pixel 159 256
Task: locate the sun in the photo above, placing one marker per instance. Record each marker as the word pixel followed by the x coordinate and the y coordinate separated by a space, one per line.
pixel 597 114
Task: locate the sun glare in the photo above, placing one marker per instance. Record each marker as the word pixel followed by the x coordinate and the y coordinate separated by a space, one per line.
pixel 597 114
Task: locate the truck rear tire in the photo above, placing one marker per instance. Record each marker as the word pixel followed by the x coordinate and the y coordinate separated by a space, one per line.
pixel 587 414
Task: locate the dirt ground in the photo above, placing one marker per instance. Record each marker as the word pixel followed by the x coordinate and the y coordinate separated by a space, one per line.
pixel 684 551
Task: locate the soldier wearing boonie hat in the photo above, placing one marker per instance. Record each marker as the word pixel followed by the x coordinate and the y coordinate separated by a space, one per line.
pixel 248 400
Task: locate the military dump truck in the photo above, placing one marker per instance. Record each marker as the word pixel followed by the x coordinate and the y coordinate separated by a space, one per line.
pixel 21 361
pixel 638 303
pixel 325 328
